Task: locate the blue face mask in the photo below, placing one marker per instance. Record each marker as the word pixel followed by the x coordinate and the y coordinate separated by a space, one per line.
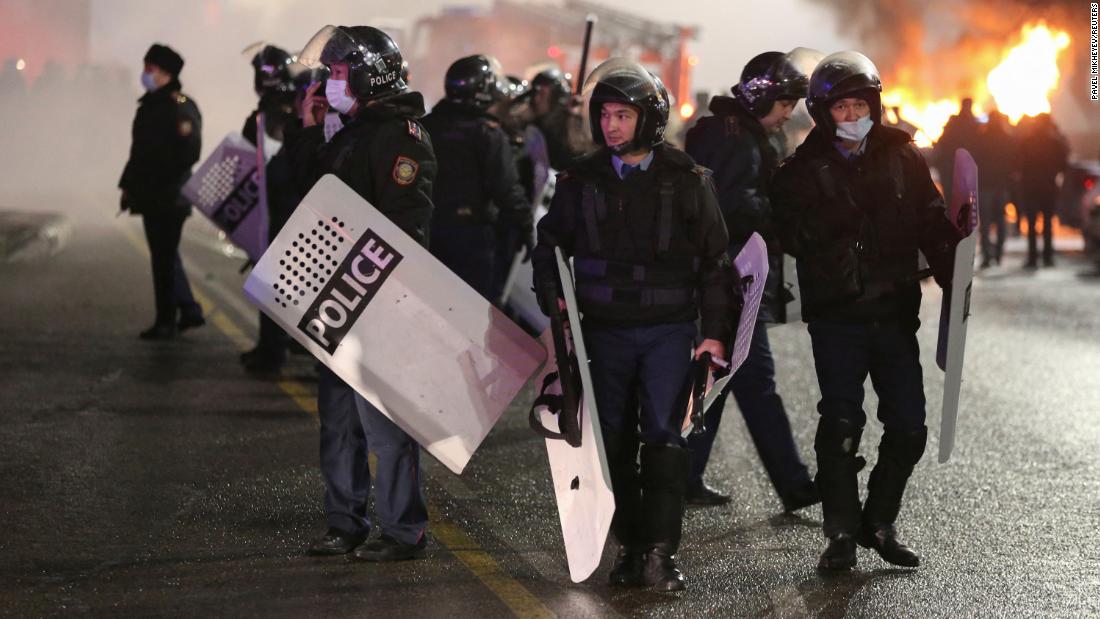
pixel 855 131
pixel 148 81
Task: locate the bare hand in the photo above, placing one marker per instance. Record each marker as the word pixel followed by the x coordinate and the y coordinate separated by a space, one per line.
pixel 314 106
pixel 716 349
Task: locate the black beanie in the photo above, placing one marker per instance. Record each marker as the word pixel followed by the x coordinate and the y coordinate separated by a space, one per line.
pixel 164 57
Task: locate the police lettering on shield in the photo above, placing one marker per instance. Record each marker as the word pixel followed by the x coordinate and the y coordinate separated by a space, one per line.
pixel 351 288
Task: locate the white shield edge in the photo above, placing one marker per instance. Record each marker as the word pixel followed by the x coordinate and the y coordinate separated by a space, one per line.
pixel 251 233
pixel 752 259
pixel 962 282
pixel 411 366
pixel 586 511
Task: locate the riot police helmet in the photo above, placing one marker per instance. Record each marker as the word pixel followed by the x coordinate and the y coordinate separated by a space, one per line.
pixel 475 80
pixel 847 74
pixel 623 81
pixel 375 65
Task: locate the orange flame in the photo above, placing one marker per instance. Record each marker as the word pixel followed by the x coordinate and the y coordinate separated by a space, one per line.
pixel 1018 78
pixel 1022 83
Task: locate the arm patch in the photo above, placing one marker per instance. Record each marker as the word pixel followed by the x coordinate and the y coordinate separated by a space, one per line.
pixel 405 170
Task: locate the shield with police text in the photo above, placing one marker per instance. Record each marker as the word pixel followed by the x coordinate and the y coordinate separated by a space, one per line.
pixel 393 322
pixel 582 483
pixel 227 188
pixel 955 310
pixel 752 272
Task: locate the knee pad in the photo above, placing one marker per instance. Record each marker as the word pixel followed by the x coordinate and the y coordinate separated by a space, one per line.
pixel 837 438
pixel 905 448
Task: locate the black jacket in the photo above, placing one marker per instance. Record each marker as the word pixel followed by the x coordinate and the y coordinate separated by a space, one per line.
pixel 629 232
pixel 167 138
pixel 855 227
pixel 477 182
pixel 735 146
pixel 383 153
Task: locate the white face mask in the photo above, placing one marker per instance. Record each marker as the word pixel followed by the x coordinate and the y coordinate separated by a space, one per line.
pixel 149 81
pixel 336 93
pixel 855 131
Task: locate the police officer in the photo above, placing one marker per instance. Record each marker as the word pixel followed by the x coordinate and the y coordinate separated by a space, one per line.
pixel 477 183
pixel 278 92
pixel 853 205
pixel 166 142
pixel 1043 155
pixel 550 101
pixel 649 247
pixel 734 144
pixel 384 154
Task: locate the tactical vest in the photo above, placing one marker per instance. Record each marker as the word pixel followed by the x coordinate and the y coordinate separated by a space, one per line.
pixel 668 280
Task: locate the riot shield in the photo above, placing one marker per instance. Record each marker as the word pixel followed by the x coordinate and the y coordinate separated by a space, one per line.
pixel 228 188
pixel 752 271
pixel 582 483
pixel 518 294
pixel 955 310
pixel 393 322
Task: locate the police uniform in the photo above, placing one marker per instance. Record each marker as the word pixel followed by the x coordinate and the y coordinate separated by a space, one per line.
pixel 277 107
pixel 477 187
pixel 166 142
pixel 649 256
pixel 735 146
pixel 855 223
pixel 384 155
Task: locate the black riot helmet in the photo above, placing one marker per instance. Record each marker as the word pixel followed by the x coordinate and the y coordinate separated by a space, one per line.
pixel 475 80
pixel 841 75
pixel 271 70
pixel 774 76
pixel 375 66
pixel 515 87
pixel 555 80
pixel 623 81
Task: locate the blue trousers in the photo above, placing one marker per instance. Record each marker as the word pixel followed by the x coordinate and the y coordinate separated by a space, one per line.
pixel 170 286
pixel 753 387
pixel 845 354
pixel 348 424
pixel 639 375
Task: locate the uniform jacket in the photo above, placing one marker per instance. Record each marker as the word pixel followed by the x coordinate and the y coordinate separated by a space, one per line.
pixel 383 153
pixel 477 181
pixel 855 227
pixel 735 146
pixel 167 138
pixel 629 229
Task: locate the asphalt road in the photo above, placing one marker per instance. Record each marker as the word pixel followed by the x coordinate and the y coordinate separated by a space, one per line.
pixel 141 479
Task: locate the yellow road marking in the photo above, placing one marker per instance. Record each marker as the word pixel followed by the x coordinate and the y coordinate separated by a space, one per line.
pixel 515 596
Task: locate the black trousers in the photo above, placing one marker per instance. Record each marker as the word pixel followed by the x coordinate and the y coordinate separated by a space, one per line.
pixel 170 286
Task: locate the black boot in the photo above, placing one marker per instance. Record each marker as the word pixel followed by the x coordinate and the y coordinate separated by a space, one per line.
pixel 898 453
pixel 837 444
pixel 664 481
pixel 622 464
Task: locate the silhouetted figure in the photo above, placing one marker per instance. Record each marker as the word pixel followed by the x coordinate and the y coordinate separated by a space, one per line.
pixel 994 154
pixel 1043 155
pixel 961 131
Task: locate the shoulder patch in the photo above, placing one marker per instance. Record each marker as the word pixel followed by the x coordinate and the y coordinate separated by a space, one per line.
pixel 181 98
pixel 405 170
pixel 185 127
pixel 415 131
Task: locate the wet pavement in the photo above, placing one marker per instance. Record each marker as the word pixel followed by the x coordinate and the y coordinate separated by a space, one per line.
pixel 147 479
